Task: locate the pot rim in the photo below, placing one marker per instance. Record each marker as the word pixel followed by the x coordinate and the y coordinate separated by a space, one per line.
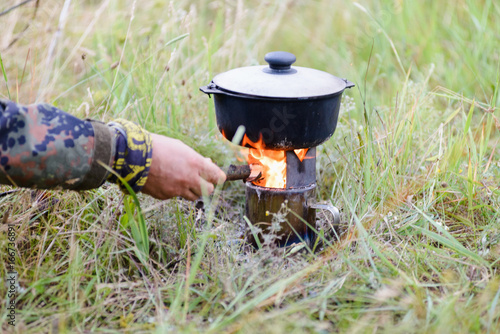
pixel 220 90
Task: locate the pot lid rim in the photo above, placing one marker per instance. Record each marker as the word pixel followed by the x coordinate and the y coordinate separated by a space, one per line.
pixel 300 83
pixel 267 97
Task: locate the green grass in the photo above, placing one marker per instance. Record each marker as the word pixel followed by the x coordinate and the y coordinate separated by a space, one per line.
pixel 413 165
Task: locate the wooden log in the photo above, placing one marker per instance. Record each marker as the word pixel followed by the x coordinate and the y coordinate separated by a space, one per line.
pixel 250 172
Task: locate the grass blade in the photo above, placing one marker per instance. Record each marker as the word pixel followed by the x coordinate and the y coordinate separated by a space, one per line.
pixel 448 240
pixel 5 77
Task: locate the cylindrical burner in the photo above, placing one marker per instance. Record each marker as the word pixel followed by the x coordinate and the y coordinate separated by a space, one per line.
pixel 263 203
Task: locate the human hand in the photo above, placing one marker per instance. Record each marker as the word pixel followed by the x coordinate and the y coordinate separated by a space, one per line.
pixel 177 170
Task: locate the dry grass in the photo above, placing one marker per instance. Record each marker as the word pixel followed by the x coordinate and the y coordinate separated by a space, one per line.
pixel 413 165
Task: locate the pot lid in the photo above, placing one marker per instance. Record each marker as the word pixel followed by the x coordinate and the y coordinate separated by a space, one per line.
pixel 280 80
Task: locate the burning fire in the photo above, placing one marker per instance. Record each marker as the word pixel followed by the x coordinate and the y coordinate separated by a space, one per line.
pixel 273 167
pixel 273 163
pixel 301 154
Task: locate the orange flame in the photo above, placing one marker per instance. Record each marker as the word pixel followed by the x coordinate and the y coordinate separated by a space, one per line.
pixel 273 162
pixel 273 167
pixel 259 144
pixel 301 154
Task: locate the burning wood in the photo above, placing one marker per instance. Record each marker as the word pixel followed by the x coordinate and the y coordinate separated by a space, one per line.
pixel 251 173
pixel 273 167
pixel 273 163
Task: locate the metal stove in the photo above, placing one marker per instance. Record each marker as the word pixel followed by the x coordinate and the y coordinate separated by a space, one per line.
pixel 286 112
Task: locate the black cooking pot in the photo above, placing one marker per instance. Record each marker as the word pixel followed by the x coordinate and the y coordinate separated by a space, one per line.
pixel 281 107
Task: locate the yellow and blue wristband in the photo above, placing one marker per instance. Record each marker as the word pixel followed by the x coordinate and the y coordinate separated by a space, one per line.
pixel 134 151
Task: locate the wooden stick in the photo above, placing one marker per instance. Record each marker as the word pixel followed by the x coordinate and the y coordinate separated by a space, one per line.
pixel 250 172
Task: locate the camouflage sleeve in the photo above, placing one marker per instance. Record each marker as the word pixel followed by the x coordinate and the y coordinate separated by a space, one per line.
pixel 44 147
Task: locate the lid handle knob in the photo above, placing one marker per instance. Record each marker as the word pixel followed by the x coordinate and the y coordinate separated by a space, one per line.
pixel 280 60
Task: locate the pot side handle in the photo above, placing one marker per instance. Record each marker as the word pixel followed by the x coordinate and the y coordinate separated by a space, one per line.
pixel 211 89
pixel 348 84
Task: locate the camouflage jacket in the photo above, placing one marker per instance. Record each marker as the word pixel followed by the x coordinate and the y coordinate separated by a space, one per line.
pixel 41 146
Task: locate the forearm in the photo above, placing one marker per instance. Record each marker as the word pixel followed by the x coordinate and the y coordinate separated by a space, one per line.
pixel 44 147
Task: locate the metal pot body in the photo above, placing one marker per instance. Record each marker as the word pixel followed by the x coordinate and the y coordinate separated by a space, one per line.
pixel 277 124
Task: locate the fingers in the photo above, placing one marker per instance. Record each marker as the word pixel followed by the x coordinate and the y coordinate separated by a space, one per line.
pixel 207 188
pixel 197 190
pixel 211 172
pixel 195 178
pixel 190 195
